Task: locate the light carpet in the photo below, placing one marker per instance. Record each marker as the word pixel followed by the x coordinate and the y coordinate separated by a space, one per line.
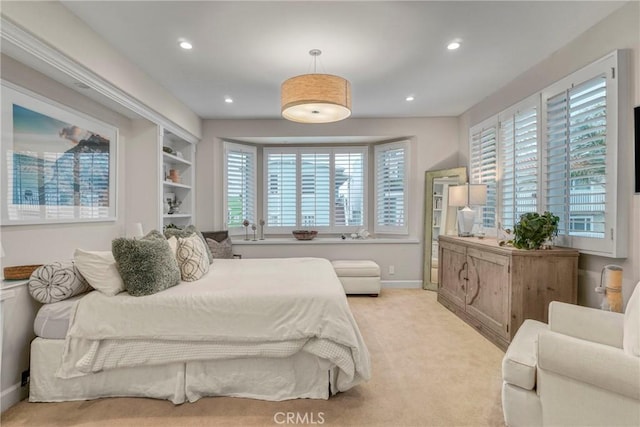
pixel 429 368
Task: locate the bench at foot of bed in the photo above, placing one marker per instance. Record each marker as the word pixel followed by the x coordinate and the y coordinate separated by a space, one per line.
pixel 358 276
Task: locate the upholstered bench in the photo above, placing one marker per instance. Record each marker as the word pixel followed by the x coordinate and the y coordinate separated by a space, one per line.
pixel 358 276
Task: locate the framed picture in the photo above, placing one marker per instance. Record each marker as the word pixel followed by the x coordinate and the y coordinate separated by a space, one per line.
pixel 58 165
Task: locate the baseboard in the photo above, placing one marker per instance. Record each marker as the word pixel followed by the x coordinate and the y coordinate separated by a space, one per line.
pixel 10 397
pixel 402 284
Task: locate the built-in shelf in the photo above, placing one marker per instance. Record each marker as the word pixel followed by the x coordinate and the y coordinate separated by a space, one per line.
pixel 176 184
pixel 182 169
pixel 178 215
pixel 172 159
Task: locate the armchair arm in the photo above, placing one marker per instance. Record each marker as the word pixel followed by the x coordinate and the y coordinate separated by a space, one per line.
pixel 602 366
pixel 599 326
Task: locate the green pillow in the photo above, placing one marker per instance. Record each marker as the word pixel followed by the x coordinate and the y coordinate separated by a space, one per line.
pixel 188 230
pixel 147 265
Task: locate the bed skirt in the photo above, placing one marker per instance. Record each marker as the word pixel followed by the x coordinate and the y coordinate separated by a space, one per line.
pixel 301 375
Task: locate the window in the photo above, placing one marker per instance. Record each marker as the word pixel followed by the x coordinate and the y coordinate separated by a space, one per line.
pixel 239 185
pixel 320 188
pixel 391 188
pixel 580 151
pixel 558 151
pixel 483 162
pixel 576 174
pixel 519 162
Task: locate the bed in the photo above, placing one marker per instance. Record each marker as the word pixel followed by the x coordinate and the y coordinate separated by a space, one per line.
pixel 271 329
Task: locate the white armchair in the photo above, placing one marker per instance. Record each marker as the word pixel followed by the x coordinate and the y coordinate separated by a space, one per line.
pixel 581 369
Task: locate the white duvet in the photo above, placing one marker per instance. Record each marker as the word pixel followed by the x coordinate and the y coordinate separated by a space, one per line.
pixel 241 308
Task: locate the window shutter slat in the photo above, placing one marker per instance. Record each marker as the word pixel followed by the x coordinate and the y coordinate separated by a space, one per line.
pixel 576 158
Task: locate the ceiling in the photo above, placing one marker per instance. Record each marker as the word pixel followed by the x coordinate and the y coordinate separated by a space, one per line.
pixel 388 50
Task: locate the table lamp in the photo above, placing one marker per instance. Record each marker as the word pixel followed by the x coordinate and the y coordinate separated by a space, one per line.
pixel 466 195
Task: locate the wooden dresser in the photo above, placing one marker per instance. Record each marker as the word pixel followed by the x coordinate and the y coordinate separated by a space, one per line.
pixel 495 288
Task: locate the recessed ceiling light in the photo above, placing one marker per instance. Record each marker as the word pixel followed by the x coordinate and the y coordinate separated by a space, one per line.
pixel 185 45
pixel 228 100
pixel 410 98
pixel 453 45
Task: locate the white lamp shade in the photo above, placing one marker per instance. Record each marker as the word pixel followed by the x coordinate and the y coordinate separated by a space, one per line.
pixel 134 230
pixel 468 195
pixel 458 195
pixel 477 194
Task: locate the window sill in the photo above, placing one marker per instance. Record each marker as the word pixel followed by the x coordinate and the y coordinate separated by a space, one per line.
pixel 238 240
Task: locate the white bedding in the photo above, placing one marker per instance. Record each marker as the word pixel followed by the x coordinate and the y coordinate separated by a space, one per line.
pixel 283 305
pixel 52 320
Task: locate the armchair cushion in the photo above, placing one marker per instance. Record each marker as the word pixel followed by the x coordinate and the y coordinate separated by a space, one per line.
pixel 602 366
pixel 631 340
pixel 591 324
pixel 519 362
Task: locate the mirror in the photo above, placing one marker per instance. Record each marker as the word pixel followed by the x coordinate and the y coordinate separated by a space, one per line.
pixel 438 217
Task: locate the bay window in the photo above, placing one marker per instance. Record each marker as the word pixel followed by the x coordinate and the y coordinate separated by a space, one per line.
pixel 321 188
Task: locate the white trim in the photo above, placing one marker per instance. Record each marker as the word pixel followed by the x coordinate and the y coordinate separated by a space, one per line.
pixel 10 396
pixel 39 49
pixel 401 284
pixel 10 284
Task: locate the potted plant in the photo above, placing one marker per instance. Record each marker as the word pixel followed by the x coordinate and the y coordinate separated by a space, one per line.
pixel 533 231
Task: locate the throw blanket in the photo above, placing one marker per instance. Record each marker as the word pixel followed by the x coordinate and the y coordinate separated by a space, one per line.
pixel 241 308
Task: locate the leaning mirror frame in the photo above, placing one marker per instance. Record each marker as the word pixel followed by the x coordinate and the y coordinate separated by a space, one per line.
pixel 459 175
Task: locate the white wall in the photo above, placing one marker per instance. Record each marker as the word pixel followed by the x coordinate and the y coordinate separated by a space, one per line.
pixel 39 244
pixel 434 146
pixel 53 23
pixel 621 30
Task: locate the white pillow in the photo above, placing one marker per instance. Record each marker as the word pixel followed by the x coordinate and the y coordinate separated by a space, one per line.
pixel 631 338
pixel 99 268
pixel 192 258
pixel 173 244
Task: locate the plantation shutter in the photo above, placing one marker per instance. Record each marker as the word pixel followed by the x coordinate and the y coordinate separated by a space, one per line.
pixel 391 188
pixel 519 165
pixel 240 184
pixel 483 163
pixel 349 194
pixel 315 197
pixel 576 174
pixel 281 188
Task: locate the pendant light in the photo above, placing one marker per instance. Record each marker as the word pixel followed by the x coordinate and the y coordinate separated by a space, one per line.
pixel 316 98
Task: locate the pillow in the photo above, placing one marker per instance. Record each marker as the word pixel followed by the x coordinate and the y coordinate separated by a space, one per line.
pixel 146 265
pixel 189 229
pixel 56 282
pixel 631 337
pixel 99 268
pixel 173 244
pixel 222 249
pixel 192 258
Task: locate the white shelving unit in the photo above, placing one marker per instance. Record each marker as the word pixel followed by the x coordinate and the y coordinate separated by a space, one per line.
pixel 177 178
pixel 444 219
